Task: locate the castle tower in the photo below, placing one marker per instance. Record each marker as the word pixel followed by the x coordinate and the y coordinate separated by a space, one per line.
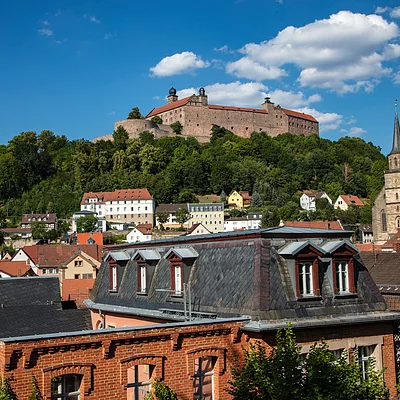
pixel 203 97
pixel 386 210
pixel 268 106
pixel 172 95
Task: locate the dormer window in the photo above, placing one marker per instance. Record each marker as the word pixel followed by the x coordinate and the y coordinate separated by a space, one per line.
pixel 116 260
pixel 146 261
pixel 303 257
pixel 180 260
pixel 113 277
pixel 342 277
pixel 142 278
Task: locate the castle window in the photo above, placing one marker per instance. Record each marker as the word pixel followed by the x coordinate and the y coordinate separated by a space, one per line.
pixel 395 162
pixel 247 128
pixel 397 196
pixel 383 221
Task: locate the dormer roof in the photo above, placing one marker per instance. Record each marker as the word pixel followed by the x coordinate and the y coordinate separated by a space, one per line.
pixel 183 252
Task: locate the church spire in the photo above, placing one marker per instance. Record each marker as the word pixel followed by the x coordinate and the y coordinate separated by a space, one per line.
pixel 396 133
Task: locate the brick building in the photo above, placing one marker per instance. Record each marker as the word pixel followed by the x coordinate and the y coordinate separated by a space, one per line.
pixel 197 118
pixel 386 209
pixel 243 287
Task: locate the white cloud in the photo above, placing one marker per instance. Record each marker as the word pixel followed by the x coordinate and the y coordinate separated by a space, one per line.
pixel 395 13
pixel 45 22
pixel 58 12
pixel 224 49
pixel 246 68
pixel 381 10
pixel 353 131
pixel 45 32
pixel 108 35
pixel 249 94
pixel 91 18
pixel 327 121
pixel 179 63
pixel 60 41
pixel 291 99
pixel 342 53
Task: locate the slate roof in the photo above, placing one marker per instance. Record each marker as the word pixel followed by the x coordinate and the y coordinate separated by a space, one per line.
pixel 384 267
pixel 32 306
pixel 239 274
pixel 396 135
pixel 47 218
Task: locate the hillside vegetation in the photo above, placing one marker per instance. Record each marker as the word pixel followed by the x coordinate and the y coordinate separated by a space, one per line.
pixel 47 172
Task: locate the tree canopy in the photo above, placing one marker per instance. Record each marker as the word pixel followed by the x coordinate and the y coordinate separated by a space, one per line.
pixel 47 171
pixel 285 375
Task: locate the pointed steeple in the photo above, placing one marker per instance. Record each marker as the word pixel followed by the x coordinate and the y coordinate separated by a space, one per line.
pixel 396 133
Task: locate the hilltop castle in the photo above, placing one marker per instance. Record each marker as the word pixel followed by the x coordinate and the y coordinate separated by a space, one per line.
pixel 197 118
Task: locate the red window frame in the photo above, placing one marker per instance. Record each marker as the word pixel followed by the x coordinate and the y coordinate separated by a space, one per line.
pixel 315 276
pixel 345 255
pixel 175 261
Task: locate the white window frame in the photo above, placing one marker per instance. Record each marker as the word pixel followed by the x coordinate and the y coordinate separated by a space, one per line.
pixel 143 279
pixel 306 276
pixel 114 276
pixel 178 280
pixel 364 355
pixel 342 276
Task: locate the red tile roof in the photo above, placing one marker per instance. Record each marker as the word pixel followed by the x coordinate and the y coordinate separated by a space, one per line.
pixel 334 225
pixel 183 102
pixel 369 247
pixel 245 196
pixel 16 268
pixel 55 255
pixel 47 218
pixel 146 229
pixel 168 107
pixel 350 199
pixel 83 238
pixel 10 231
pixel 299 115
pixel 123 194
pixel 76 289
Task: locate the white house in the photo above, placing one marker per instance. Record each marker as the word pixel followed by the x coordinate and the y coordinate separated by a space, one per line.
pixel 344 201
pixel 197 229
pixel 252 221
pixel 308 199
pixel 134 206
pixel 140 233
pixel 101 223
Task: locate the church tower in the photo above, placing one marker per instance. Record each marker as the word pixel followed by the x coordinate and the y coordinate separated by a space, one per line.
pixel 386 210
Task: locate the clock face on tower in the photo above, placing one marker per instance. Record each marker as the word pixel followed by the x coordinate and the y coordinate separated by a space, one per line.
pixel 395 181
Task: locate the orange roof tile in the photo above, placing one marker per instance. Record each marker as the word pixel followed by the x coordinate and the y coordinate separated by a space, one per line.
pixel 83 237
pixel 299 115
pixel 369 247
pixel 123 194
pixel 16 268
pixel 168 107
pixel 334 225
pixel 146 229
pixel 350 199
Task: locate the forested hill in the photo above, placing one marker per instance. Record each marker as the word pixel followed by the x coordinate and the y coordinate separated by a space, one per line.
pixel 47 172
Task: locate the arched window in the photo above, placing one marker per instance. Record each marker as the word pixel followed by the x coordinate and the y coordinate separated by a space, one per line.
pixel 390 163
pixel 397 196
pixel 383 221
pixel 139 381
pixel 395 162
pixel 66 387
pixel 398 222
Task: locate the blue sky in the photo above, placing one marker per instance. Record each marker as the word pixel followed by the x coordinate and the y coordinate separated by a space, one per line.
pixel 75 67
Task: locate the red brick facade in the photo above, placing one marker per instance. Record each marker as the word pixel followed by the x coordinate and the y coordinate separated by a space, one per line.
pixel 104 357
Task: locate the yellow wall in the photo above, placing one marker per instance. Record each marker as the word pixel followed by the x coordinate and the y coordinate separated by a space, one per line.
pixel 236 198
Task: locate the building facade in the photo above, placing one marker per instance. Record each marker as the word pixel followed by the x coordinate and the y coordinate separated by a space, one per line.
pixel 134 206
pixel 386 209
pixel 210 215
pixel 197 117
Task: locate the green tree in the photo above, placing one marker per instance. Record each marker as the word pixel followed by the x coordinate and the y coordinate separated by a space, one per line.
pixel 222 196
pixel 160 391
pixel 270 217
pixel 87 223
pixel 256 200
pixel 176 127
pixel 6 392
pixel 187 196
pixel 38 230
pixel 182 216
pixel 135 114
pixel 120 137
pixel 35 391
pixel 284 375
pixel 157 119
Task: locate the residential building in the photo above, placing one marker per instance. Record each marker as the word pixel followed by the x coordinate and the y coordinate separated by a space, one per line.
pixel 386 209
pixel 197 229
pixel 171 209
pixel 211 215
pixel 344 201
pixel 133 206
pixel 251 221
pixel 90 238
pixel 239 199
pixel 22 233
pixel 49 220
pixel 308 200
pixel 244 285
pixel 197 117
pixel 101 220
pixel 140 233
pixel 365 233
pixel 10 269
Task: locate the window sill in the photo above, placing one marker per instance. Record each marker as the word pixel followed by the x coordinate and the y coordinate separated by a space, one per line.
pixel 113 290
pixel 345 296
pixel 309 298
pixel 141 293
